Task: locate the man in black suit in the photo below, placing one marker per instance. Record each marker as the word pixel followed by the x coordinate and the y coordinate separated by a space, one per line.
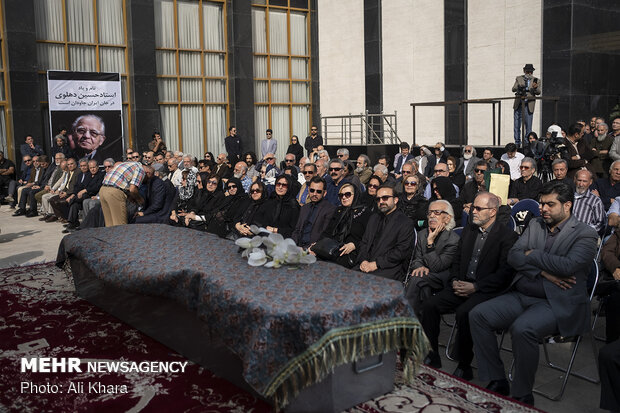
pixel 314 215
pixel 27 196
pixel 83 190
pixel 159 197
pixel 480 271
pixel 233 145
pixel 388 240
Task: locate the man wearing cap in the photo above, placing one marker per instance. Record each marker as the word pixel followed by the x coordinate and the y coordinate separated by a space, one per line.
pixel 526 87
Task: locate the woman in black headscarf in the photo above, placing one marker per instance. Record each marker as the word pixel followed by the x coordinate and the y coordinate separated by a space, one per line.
pixel 348 224
pixel 296 149
pixel 210 197
pixel 369 197
pixel 229 210
pixel 442 188
pixel 283 206
pixel 255 214
pixel 412 202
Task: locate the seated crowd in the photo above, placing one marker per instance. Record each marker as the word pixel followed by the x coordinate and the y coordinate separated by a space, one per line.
pixel 397 220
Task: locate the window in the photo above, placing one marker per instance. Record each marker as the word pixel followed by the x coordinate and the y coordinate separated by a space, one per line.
pixel 82 35
pixel 282 76
pixel 192 74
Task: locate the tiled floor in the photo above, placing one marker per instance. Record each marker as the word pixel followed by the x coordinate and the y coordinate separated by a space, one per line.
pixel 26 241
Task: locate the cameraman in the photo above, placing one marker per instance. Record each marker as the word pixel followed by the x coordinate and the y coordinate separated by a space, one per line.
pixel 526 86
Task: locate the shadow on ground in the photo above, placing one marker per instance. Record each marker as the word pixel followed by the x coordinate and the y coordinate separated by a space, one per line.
pixel 15 235
pixel 19 259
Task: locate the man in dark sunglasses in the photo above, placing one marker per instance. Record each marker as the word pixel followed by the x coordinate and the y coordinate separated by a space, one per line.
pixel 337 172
pixel 473 186
pixel 388 240
pixel 314 215
pixel 528 186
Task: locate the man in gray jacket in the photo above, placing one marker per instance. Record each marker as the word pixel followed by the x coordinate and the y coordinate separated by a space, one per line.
pixel 548 294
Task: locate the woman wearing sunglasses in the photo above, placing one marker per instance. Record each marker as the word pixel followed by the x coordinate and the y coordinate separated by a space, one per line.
pixel 412 201
pixel 210 196
pixel 282 207
pixel 348 224
pixel 230 209
pixel 369 197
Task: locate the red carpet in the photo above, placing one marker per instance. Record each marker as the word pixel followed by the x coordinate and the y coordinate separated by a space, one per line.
pixel 41 317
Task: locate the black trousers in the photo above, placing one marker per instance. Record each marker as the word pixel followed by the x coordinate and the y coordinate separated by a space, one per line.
pixel 609 370
pixel 74 210
pixel 446 302
pixel 60 206
pixel 612 311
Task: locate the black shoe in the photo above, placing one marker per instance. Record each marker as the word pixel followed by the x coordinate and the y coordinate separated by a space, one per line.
pixel 51 218
pixel 433 360
pixel 499 386
pixel 67 230
pixel 44 217
pixel 19 212
pixel 31 214
pixel 464 372
pixel 71 226
pixel 527 399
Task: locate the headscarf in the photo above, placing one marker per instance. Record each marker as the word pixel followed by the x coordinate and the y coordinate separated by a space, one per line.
pixel 346 215
pixel 444 187
pixel 248 215
pixel 287 198
pixel 297 150
pixel 187 191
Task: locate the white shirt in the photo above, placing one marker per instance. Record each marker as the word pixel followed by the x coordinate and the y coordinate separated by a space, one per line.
pixel 514 163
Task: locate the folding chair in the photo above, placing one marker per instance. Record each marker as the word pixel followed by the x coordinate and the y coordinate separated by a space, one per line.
pixel 526 205
pixel 554 339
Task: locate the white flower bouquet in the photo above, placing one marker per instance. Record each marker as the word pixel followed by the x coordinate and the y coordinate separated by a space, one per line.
pixel 272 251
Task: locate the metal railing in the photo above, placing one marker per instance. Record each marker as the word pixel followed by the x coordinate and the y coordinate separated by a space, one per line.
pixel 497 122
pixel 363 129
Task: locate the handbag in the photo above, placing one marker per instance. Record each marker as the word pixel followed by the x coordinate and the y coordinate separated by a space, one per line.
pixel 327 248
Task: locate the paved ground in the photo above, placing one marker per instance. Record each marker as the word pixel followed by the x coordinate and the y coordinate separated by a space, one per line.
pixel 26 241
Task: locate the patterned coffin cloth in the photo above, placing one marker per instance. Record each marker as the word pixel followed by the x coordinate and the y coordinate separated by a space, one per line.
pixel 290 327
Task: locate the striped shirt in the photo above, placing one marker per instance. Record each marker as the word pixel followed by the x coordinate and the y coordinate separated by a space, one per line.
pixel 124 174
pixel 589 209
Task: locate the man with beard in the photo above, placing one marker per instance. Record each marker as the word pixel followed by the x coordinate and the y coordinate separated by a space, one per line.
pixel 363 170
pixel 313 141
pixel 487 156
pixel 601 143
pixel 468 161
pixel 608 188
pixel 240 172
pixel 337 172
pixel 479 272
pixel 388 240
pixel 548 294
pixel 314 215
pixel 588 208
pixel 87 136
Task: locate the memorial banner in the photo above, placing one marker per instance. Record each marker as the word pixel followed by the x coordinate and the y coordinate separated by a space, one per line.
pixel 90 107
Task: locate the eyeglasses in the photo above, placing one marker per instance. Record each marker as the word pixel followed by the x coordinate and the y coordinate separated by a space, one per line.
pixel 269 158
pixel 344 195
pixel 384 198
pixel 313 129
pixel 82 131
pixel 229 187
pixel 435 212
pixel 308 172
pixel 335 169
pixel 135 157
pixel 524 167
pixel 289 160
pixel 406 172
pixel 467 151
pixel 318 191
pixel 282 184
pixel 480 171
pixel 268 133
pixel 439 170
pixel 479 208
pixel 212 182
pixel 340 155
pixel 27 160
pixel 373 186
pixel 411 183
pixel 255 191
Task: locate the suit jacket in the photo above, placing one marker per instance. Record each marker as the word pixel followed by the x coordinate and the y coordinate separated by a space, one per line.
pixel 469 171
pixel 493 274
pixel 49 172
pixel 33 174
pixel 160 216
pixel 323 217
pixel 584 152
pixel 94 184
pixel 520 81
pixel 72 181
pixel 438 258
pixel 390 247
pixel 572 254
pixel 233 148
pixel 81 183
